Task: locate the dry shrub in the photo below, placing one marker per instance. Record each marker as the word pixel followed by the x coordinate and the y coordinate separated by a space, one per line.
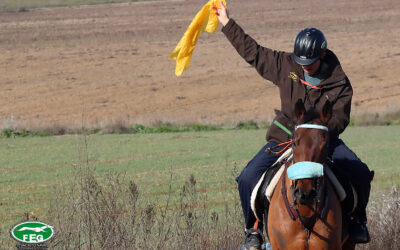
pixel 110 213
pixel 118 126
pixel 384 222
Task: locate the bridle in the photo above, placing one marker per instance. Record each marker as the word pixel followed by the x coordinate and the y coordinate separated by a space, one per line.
pixel 312 126
pixel 319 211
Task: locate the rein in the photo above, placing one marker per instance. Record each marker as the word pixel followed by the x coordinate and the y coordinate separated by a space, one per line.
pixel 286 144
pixel 290 142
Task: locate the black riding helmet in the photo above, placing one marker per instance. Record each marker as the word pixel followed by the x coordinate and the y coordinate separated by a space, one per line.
pixel 309 46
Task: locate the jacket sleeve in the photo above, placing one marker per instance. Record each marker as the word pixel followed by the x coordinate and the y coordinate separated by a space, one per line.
pixel 267 62
pixel 341 112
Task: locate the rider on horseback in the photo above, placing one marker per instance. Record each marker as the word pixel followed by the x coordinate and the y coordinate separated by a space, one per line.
pixel 313 74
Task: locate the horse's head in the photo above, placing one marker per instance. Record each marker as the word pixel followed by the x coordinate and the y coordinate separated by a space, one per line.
pixel 309 151
pixel 308 197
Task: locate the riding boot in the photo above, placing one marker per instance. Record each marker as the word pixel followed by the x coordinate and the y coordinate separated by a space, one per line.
pixel 254 240
pixel 358 228
pixel 359 232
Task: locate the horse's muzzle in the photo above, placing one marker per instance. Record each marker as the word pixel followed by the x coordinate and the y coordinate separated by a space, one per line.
pixel 305 197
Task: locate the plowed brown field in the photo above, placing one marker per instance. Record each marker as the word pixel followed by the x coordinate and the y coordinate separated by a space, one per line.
pixel 99 64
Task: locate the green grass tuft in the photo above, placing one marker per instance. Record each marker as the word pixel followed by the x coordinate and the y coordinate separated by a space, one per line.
pixel 12 133
pixel 169 128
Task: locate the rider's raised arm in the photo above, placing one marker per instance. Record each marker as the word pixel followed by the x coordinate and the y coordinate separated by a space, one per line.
pixel 267 62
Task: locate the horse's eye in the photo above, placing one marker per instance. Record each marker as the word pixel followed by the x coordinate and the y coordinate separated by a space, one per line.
pixel 296 141
pixel 322 146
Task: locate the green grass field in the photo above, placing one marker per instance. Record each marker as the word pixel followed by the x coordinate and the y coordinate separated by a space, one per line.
pixel 13 5
pixel 32 168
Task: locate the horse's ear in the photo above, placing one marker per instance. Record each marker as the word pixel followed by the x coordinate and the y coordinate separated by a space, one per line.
pixel 299 110
pixel 326 114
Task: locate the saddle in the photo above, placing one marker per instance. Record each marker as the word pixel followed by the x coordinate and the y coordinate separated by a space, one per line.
pixel 262 192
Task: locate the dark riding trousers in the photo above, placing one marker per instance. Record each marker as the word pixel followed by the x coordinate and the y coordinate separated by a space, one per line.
pixel 343 158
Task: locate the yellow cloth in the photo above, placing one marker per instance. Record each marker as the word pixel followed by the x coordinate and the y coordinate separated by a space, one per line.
pixel 205 20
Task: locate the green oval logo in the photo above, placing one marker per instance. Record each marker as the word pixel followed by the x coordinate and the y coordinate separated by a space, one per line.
pixel 323 45
pixel 32 232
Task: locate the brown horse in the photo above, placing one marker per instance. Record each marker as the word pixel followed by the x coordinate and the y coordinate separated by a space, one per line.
pixel 305 211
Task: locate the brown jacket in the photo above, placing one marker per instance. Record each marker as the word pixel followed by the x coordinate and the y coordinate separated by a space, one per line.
pixel 280 68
